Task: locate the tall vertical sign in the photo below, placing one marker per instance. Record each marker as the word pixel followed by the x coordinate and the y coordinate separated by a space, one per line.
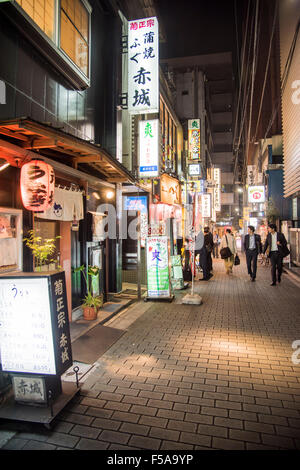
pixel 143 66
pixel 148 148
pixel 194 139
pixel 206 205
pixel 217 189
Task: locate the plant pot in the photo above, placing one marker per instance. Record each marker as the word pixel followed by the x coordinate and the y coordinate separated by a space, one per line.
pixel 90 313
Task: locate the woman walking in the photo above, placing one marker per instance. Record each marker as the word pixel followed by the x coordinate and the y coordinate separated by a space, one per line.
pixel 228 240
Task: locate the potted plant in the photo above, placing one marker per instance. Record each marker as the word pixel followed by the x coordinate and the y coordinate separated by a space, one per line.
pixel 42 250
pixel 91 303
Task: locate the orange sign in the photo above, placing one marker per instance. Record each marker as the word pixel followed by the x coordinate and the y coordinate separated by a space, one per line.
pixel 170 192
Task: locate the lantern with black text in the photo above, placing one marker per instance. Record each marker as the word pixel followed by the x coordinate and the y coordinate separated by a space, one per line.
pixel 37 185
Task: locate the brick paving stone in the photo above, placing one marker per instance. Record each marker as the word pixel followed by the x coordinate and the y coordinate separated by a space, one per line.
pixel 166 434
pixel 228 422
pixel 98 413
pixel 106 424
pixel 131 428
pixel 15 444
pixel 114 437
pixel 153 421
pixel 36 445
pixel 182 426
pixel 124 416
pixel 91 444
pixel 195 439
pixel 171 445
pixel 65 440
pixel 142 442
pixel 77 418
pixel 227 444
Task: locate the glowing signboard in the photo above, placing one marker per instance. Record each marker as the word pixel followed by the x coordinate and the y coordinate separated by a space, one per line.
pixel 256 194
pixel 143 66
pixel 194 139
pixel 34 327
pixel 148 148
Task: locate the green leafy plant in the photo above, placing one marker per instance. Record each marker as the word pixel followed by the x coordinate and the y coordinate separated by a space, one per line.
pixel 42 248
pixel 90 300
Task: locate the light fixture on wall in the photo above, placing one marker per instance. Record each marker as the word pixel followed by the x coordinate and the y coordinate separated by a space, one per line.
pixel 3 164
pixel 110 194
pixel 96 195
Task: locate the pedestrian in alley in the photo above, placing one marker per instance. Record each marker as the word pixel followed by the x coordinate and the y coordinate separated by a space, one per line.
pixel 228 241
pixel 200 249
pixel 277 245
pixel 209 244
pixel 253 247
pixel 216 241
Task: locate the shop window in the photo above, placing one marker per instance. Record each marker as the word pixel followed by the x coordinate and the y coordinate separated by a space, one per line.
pixel 67 24
pixel 42 12
pixel 74 33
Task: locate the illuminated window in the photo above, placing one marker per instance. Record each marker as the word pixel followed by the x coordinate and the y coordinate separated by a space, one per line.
pixel 75 32
pixel 42 12
pixel 66 23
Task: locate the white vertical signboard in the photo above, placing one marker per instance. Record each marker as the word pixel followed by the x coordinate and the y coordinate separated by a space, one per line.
pixel 206 205
pixel 148 148
pixel 143 66
pixel 217 189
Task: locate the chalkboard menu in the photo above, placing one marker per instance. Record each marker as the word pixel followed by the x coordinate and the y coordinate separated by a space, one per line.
pixel 34 325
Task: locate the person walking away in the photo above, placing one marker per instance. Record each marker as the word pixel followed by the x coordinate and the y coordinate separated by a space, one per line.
pixel 200 249
pixel 277 244
pixel 253 247
pixel 216 245
pixel 229 240
pixel 209 244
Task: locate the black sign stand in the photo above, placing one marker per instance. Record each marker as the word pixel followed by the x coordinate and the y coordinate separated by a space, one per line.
pixel 58 393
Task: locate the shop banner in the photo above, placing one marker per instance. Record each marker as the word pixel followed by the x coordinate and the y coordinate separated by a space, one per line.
pixel 143 66
pixel 158 277
pixel 177 274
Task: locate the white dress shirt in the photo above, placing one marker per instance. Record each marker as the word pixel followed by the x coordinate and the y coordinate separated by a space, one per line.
pixel 252 242
pixel 274 246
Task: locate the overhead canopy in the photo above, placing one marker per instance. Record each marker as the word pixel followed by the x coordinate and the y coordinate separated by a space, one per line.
pixel 53 143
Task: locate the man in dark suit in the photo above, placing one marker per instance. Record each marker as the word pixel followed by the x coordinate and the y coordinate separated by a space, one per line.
pixel 252 246
pixel 209 244
pixel 277 244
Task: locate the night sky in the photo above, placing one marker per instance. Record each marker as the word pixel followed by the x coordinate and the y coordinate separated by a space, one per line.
pixel 197 26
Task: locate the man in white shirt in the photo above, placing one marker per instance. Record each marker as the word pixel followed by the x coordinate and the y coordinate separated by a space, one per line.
pixel 277 244
pixel 252 246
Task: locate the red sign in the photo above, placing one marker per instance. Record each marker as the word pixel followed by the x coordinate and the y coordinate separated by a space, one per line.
pixel 37 185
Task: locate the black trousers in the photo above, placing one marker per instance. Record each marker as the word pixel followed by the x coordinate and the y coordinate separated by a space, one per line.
pixel 251 257
pixel 209 261
pixel 276 263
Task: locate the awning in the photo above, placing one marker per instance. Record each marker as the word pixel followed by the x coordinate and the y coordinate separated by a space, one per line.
pixel 53 143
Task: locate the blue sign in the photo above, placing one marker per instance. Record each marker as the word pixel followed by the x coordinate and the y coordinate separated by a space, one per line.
pixel 136 203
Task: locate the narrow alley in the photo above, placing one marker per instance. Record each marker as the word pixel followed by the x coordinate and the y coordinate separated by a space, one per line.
pixel 223 375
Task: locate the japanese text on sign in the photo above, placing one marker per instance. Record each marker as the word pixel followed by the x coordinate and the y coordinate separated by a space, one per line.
pixel 143 69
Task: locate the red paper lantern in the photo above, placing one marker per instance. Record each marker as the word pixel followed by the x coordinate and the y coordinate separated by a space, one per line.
pixel 37 185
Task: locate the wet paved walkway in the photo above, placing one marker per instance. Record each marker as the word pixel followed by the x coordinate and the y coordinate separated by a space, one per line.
pixel 215 376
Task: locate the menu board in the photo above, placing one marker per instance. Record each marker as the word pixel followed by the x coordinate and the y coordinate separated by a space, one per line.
pixel 158 277
pixel 34 329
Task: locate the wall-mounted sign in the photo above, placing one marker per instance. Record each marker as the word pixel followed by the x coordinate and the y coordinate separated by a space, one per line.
pixel 136 203
pixel 206 205
pixel 170 190
pixel 158 276
pixel 148 148
pixel 37 185
pixel 194 169
pixel 139 203
pixel 217 189
pixel 194 139
pixel 34 325
pixel 251 174
pixel 256 194
pixel 143 66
